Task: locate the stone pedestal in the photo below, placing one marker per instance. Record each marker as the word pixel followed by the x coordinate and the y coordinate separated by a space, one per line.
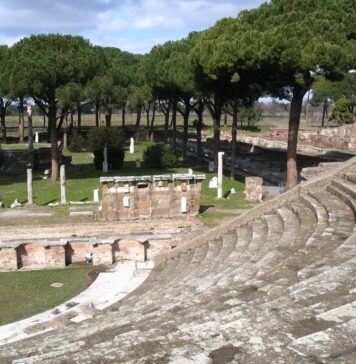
pixel 253 189
pixel 96 195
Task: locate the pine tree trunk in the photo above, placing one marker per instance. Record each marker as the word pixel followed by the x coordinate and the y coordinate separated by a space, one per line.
pixel 215 111
pixel 185 127
pixel 3 124
pixel 30 134
pixel 174 126
pixel 294 122
pixel 124 114
pixel 52 121
pixel 97 107
pixel 166 123
pixel 324 114
pixel 138 116
pixel 199 129
pixel 147 109
pixel 153 116
pixel 21 121
pixel 235 110
pixel 79 113
pixel 108 114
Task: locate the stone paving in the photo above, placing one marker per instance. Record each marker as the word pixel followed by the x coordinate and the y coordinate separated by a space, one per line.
pixel 279 289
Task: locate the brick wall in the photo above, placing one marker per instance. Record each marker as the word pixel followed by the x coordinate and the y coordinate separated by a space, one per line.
pixel 144 197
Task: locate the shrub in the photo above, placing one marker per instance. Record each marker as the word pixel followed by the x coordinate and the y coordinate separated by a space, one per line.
pixel 112 139
pixel 76 142
pixel 99 138
pixel 115 158
pixel 159 156
pixel 342 112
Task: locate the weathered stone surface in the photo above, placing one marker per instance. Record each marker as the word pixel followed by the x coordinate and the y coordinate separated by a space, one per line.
pixel 253 189
pixel 128 249
pixel 8 259
pixel 274 285
pixel 54 257
pixel 145 198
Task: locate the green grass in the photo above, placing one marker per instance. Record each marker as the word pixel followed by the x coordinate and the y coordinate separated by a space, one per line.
pixel 82 178
pixel 23 294
pixel 213 218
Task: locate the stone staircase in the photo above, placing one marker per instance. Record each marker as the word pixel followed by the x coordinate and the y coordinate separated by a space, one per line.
pixel 275 285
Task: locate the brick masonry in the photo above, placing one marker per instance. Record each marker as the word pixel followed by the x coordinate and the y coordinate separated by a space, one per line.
pixel 128 198
pixel 60 254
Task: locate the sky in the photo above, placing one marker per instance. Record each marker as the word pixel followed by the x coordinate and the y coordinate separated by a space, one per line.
pixel 131 25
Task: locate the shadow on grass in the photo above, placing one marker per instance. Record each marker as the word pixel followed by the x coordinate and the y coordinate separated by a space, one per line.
pixel 204 208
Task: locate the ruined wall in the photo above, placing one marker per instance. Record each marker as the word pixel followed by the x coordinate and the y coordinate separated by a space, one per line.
pixel 127 249
pixel 59 254
pixel 54 256
pixel 150 197
pixel 342 137
pixel 8 258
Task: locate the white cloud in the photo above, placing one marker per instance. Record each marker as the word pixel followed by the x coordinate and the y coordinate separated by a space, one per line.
pixel 133 25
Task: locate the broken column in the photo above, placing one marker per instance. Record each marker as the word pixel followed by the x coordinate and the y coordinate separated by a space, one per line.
pixel 37 139
pixel 220 174
pixel 96 195
pixel 132 146
pixel 253 189
pixel 63 184
pixel 29 187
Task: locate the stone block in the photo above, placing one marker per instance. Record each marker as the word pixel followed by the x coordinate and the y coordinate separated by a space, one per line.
pixel 8 259
pixel 253 188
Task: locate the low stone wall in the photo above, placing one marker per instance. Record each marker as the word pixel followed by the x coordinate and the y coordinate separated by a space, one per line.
pixel 127 198
pixel 58 254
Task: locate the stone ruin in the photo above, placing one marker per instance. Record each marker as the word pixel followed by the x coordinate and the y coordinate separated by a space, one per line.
pixel 142 197
pixel 60 253
pixel 273 285
pixel 341 137
pixel 254 189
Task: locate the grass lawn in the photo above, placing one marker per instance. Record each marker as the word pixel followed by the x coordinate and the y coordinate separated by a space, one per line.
pixel 82 178
pixel 23 294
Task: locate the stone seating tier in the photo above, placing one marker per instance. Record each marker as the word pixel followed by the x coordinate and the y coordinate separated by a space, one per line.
pixel 276 285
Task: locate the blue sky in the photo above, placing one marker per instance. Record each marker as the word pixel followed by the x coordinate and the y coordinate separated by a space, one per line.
pixel 132 25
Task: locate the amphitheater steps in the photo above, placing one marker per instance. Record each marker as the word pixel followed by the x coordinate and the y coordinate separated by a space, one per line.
pixel 207 275
pixel 281 289
pixel 326 345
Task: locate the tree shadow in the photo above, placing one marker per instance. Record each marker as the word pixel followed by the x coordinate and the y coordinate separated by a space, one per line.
pixel 204 208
